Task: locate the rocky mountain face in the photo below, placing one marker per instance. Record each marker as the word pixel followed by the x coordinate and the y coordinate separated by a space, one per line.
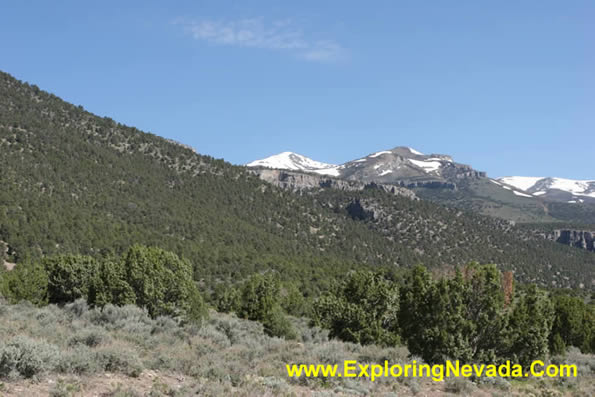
pixel 584 239
pixel 299 181
pixel 407 167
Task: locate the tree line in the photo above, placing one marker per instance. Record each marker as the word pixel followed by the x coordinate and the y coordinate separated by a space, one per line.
pixel 154 279
pixel 474 315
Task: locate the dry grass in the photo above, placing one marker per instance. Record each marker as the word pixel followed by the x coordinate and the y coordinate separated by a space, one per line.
pixel 123 352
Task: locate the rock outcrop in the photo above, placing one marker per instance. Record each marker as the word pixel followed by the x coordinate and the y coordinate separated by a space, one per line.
pixel 575 238
pixel 298 181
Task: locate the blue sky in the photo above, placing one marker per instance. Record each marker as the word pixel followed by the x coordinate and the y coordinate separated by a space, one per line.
pixel 506 86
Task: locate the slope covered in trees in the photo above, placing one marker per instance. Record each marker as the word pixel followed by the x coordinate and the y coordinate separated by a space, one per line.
pixel 475 315
pixel 73 182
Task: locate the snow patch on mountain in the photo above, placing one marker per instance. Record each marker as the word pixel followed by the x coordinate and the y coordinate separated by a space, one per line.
pixel 580 188
pixel 427 166
pixel 335 171
pixel 520 182
pixel 380 153
pixel 521 194
pixel 293 161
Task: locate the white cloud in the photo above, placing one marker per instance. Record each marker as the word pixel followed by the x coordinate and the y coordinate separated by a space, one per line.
pixel 254 33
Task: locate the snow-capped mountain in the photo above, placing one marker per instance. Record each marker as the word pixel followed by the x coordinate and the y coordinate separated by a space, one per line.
pixel 295 162
pixel 439 178
pixel 408 167
pixel 398 165
pixel 559 189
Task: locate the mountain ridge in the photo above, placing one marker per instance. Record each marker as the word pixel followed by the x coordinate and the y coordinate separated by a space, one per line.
pixel 560 189
pixel 396 165
pixel 439 178
pixel 429 164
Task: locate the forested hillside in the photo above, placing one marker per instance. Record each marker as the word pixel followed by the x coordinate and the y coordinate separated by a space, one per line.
pixel 73 182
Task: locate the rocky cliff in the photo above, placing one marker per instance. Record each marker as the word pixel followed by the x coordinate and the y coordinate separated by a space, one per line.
pixel 575 238
pixel 298 181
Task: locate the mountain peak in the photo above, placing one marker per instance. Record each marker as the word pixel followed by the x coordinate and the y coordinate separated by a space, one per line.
pixel 294 161
pixel 406 151
pixel 398 165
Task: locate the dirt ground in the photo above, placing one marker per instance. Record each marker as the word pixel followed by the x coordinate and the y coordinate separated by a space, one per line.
pixel 102 385
pixel 8 265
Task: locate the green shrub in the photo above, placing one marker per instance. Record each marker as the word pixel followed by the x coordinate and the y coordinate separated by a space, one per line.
pixel 363 309
pixel 277 324
pixel 27 281
pixel 79 360
pixel 120 360
pixel 495 382
pixel 77 308
pixel 163 283
pixel 27 357
pixel 91 337
pixel 69 277
pixel 458 385
pixel 108 285
pixel 49 316
pixel 573 324
pixel 114 317
pixel 260 301
pixel 149 277
pixel 462 317
pixel 530 325
pixel 121 391
pixel 226 298
pixel 165 324
pixel 63 388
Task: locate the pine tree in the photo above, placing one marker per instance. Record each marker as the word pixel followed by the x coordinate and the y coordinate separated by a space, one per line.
pixel 362 309
pixel 530 326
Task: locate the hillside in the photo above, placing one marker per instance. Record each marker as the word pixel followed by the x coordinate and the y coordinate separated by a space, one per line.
pixel 77 183
pixel 123 352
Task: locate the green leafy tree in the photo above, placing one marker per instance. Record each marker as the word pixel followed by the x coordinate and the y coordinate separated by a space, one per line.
pixel 108 285
pixel 572 324
pixel 27 281
pixel 226 298
pixel 462 317
pixel 530 326
pixel 260 301
pixel 486 311
pixel 362 309
pixel 292 300
pixel 68 277
pixel 162 283
pixel 415 315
